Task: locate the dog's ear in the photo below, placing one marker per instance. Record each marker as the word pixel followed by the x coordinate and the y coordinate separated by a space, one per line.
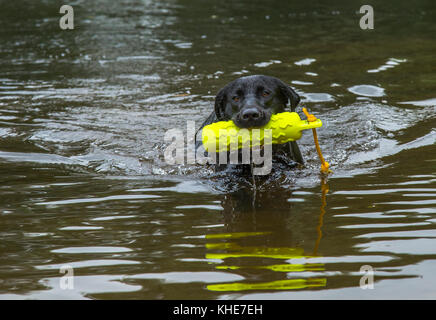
pixel 289 93
pixel 220 105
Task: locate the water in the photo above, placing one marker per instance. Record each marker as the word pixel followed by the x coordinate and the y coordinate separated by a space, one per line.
pixel 84 183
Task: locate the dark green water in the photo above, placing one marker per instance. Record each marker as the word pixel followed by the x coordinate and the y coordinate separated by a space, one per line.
pixel 83 181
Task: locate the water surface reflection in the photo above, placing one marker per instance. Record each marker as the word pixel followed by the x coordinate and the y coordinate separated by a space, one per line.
pixel 84 183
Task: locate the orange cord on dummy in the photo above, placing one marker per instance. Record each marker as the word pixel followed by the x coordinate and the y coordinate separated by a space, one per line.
pixel 324 164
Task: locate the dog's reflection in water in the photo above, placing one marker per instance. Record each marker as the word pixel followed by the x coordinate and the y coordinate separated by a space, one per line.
pixel 266 234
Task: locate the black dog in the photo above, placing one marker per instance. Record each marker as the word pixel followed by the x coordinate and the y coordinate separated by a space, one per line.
pixel 250 102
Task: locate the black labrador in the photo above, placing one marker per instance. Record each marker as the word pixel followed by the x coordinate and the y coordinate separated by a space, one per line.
pixel 250 101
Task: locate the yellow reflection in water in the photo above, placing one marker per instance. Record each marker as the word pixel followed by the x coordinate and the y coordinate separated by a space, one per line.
pixel 235 235
pixel 233 250
pixel 265 252
pixel 280 267
pixel 290 284
pixel 259 252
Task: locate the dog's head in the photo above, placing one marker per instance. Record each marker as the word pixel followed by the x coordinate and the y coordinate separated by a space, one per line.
pixel 250 101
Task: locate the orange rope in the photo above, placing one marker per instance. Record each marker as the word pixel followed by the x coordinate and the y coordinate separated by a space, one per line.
pixel 324 190
pixel 324 164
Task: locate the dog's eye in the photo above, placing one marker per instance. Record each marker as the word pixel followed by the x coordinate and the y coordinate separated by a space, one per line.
pixel 265 94
pixel 235 98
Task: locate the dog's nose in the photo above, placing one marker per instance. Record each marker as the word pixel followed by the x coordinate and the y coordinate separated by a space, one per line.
pixel 250 114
